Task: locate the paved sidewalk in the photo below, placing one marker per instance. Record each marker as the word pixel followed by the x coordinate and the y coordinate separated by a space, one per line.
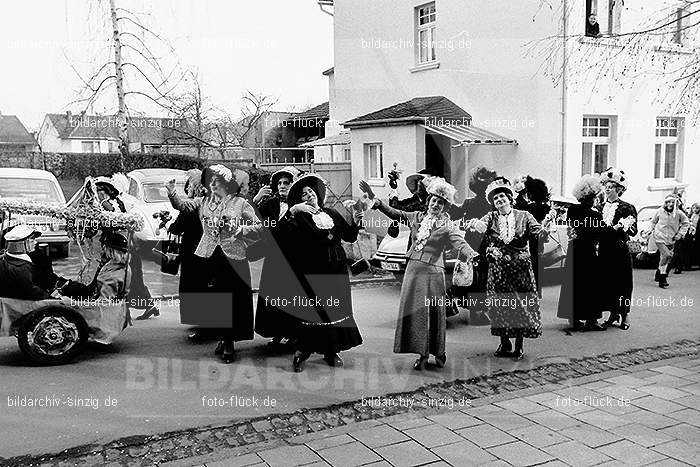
pixel 643 415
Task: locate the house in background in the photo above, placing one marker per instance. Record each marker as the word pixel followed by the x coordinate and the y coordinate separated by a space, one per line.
pixel 71 133
pixel 448 84
pixel 14 137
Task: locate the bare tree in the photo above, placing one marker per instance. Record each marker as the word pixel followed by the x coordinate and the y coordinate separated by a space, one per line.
pixel 623 60
pixel 134 68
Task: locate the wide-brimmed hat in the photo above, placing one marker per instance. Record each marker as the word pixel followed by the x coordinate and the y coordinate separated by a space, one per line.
pixel 287 171
pixel 20 233
pixel 115 240
pixel 614 175
pixel 311 180
pixel 440 187
pixel 500 184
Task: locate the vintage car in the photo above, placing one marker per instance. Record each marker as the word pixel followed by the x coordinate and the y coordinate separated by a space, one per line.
pixel 53 332
pixel 32 185
pixel 391 253
pixel 148 198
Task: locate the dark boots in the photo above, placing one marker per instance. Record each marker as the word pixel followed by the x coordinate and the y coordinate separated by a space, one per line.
pixel 663 282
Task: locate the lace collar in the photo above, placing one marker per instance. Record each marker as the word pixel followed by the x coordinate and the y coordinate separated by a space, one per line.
pixel 322 220
pixel 506 226
pixel 609 209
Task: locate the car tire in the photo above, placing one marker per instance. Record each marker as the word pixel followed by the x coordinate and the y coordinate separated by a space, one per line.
pixel 52 336
pixel 398 276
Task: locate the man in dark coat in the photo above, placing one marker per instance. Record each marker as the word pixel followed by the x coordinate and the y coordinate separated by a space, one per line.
pixel 25 274
pixel 414 203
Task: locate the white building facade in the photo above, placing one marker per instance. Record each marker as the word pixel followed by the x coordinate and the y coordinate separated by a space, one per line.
pixel 485 57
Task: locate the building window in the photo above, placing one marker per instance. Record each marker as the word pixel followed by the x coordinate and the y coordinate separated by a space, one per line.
pixel 425 34
pixel 113 147
pixel 346 154
pixel 666 147
pixel 595 156
pixel 607 14
pixel 374 161
pixel 90 146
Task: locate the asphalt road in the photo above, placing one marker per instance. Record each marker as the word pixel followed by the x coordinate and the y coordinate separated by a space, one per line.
pixel 162 382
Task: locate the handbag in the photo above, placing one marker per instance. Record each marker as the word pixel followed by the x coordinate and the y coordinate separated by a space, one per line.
pixel 463 275
pixel 170 255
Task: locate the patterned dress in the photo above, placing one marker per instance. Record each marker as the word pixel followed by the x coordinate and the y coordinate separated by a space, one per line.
pixel 511 291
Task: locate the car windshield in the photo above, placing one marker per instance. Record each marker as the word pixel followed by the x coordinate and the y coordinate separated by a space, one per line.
pixel 152 192
pixel 44 191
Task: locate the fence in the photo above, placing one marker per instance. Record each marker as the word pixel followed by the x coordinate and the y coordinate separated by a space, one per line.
pixel 337 174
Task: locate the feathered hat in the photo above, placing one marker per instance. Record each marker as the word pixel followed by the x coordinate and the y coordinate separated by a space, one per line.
pixel 500 184
pixel 614 175
pixel 439 187
pixel 588 186
pixel 412 180
pixel 311 180
pixel 288 171
pixel 480 179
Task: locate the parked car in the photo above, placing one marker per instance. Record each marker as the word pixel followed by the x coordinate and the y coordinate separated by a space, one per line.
pixel 391 253
pixel 148 197
pixel 32 185
pixel 638 244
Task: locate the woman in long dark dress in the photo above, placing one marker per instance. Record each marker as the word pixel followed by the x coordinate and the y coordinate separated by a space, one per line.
pixel 619 223
pixel 194 275
pixel 511 292
pixel 229 226
pixel 578 299
pixel 270 320
pixel 318 295
pixel 539 206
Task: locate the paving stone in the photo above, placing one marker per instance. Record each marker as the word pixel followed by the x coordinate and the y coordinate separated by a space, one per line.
pixel 685 432
pixel 619 392
pixel 485 436
pixel 349 455
pixel 239 461
pixel 406 454
pixel 455 420
pixel 542 397
pixel 483 410
pixel 664 392
pixel 521 406
pixel 641 434
pixel 600 419
pixel 668 463
pixel 650 419
pixel 463 453
pixel 670 381
pixel 657 405
pixel 553 420
pixel 289 456
pixel 575 453
pixel 538 436
pixel 406 424
pixel 630 453
pixel 520 454
pixel 329 442
pixel 643 374
pixel 673 371
pixel 590 435
pixel 680 450
pixel 693 388
pixel 689 401
pixel 380 464
pixel 432 436
pixel 381 435
pixel 690 416
pixel 627 380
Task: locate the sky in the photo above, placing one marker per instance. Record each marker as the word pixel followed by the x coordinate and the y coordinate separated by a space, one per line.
pixel 272 47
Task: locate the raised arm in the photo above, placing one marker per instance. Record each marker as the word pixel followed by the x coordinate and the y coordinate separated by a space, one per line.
pixel 184 205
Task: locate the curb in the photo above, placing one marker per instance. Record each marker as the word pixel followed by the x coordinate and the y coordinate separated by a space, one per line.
pixel 181 447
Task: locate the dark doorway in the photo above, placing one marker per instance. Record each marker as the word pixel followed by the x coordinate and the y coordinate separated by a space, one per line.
pixel 434 158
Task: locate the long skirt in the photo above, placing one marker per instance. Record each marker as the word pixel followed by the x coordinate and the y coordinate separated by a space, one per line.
pixel 511 292
pixel 229 305
pixel 420 328
pixel 139 296
pixel 324 321
pixel 578 298
pixel 271 319
pixel 616 279
pixel 194 281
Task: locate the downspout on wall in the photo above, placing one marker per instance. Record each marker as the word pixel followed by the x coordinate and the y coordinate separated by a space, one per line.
pixel 564 85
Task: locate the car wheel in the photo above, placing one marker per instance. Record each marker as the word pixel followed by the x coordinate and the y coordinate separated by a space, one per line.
pixel 52 336
pixel 398 276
